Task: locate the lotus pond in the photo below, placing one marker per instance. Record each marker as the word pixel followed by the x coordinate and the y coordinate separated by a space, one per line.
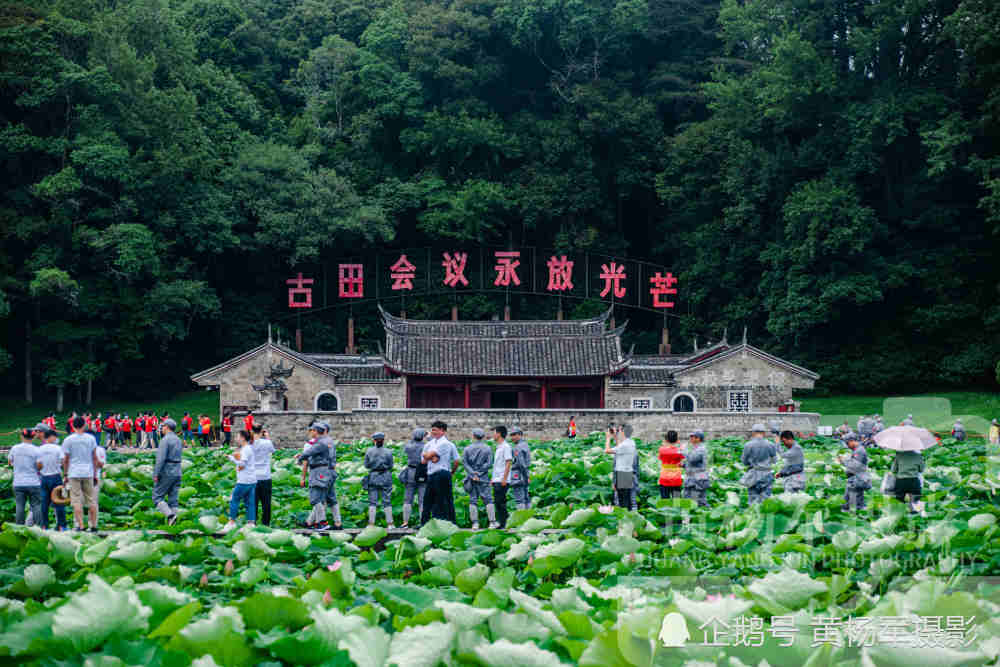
pixel 792 581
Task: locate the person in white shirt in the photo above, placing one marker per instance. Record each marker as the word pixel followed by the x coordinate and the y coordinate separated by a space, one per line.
pixel 625 453
pixel 503 458
pixel 246 482
pixel 263 448
pixel 441 457
pixel 80 465
pixel 51 456
pixel 27 483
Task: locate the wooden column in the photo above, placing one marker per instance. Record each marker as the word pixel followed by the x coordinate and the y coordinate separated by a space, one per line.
pixel 350 335
pixel 298 339
pixel 545 385
pixel 454 313
pixel 506 313
pixel 467 389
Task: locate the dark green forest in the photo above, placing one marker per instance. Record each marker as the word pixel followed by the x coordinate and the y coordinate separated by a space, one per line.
pixel 824 173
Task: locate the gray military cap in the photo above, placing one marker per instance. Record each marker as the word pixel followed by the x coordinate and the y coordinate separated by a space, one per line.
pixel 419 433
pixel 851 436
pixel 516 429
pixel 478 433
pixel 758 427
pixel 41 427
pixel 169 423
pixel 379 435
pixel 317 426
pixel 697 434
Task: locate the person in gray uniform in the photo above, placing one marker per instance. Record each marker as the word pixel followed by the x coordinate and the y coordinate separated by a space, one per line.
pixel 866 427
pixel 794 470
pixel 167 472
pixel 378 481
pixel 414 476
pixel 331 490
pixel 759 455
pixel 859 479
pixel 478 461
pixel 958 431
pixel 774 425
pixel 696 481
pixel 520 469
pixel 316 465
pixel 908 421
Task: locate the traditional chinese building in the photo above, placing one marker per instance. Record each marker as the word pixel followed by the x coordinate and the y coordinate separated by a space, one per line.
pixel 545 366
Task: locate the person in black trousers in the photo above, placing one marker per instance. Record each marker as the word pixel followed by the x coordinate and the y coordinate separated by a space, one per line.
pixel 503 458
pixel 263 448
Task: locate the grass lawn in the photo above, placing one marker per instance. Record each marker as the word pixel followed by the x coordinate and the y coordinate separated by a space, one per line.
pixel 16 414
pixel 975 408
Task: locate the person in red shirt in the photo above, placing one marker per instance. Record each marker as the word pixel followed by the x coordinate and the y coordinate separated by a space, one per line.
pixel 248 422
pixel 186 427
pixel 204 429
pixel 140 430
pixel 670 457
pixel 227 428
pixel 127 430
pixel 50 420
pixel 109 428
pixel 154 431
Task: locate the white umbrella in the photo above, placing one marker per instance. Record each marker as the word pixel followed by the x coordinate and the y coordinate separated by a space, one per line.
pixel 905 439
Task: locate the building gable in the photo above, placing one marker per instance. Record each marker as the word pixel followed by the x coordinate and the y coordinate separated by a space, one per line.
pixel 745 365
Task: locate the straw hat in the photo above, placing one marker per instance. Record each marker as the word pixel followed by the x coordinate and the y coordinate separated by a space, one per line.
pixel 60 495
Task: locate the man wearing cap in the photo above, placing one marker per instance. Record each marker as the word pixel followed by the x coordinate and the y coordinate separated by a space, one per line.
pixel 167 472
pixel 758 456
pixel 50 455
pixel 879 424
pixel 441 457
pixel 696 481
pixel 378 481
pixel 331 490
pixel 908 421
pixel 866 427
pixel 316 464
pixel 80 464
pixel 958 431
pixel 774 425
pixel 27 483
pixel 414 476
pixel 995 432
pixel 794 470
pixel 858 478
pixel 625 453
pixel 520 469
pixel 478 459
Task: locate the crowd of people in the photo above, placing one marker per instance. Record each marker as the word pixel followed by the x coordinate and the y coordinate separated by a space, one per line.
pixel 116 429
pixel 53 474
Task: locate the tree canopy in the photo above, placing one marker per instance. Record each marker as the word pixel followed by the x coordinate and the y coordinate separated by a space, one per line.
pixel 826 174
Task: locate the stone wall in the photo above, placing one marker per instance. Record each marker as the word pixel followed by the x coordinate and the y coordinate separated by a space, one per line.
pixel 304 385
pixel 745 370
pixel 707 399
pixel 288 429
pixel 392 395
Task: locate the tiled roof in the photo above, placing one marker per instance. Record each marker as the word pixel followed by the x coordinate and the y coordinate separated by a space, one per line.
pixel 594 326
pixel 636 374
pixel 355 369
pixel 517 349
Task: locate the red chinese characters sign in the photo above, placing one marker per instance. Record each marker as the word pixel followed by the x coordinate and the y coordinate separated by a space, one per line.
pixel 583 275
pixel 299 290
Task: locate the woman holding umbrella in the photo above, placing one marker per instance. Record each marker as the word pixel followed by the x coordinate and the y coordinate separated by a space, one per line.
pixel 908 442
